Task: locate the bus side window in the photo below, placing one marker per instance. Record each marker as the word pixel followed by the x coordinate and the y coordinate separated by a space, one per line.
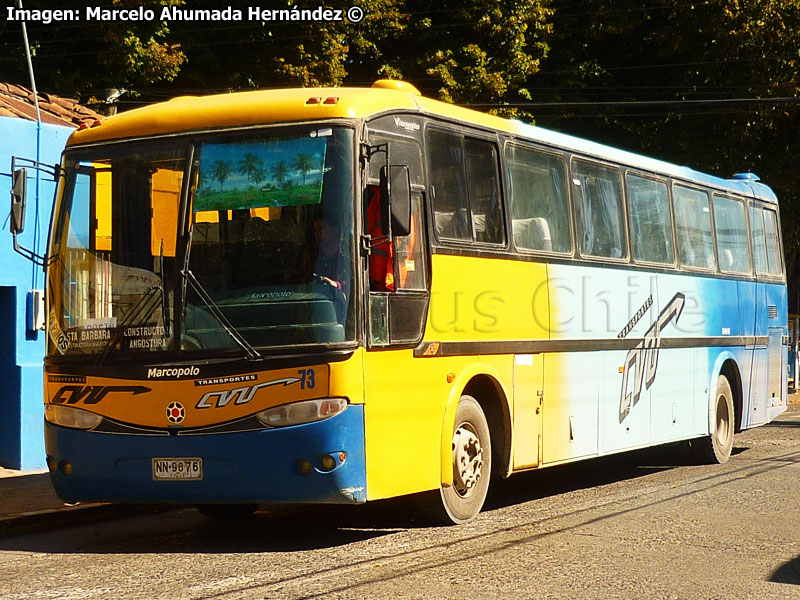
pixel 693 224
pixel 483 182
pixel 406 251
pixel 448 187
pixel 759 241
pixel 731 227
pixel 773 244
pixel 597 191
pixel 651 223
pixel 409 253
pixel 539 210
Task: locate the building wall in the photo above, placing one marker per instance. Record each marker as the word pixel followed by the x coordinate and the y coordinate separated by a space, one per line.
pixel 22 350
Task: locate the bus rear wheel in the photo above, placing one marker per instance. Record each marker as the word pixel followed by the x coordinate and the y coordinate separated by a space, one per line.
pixel 227 512
pixel 472 465
pixel 717 447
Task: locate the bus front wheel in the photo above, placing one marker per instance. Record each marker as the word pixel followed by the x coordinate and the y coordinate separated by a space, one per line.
pixel 472 465
pixel 717 447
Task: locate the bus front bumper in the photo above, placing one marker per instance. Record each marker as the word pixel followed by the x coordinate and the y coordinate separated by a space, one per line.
pixel 265 466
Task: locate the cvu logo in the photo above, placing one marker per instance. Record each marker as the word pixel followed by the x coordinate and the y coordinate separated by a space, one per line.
pixel 92 394
pixel 643 359
pixel 243 395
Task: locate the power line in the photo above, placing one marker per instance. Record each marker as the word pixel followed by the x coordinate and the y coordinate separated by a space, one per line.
pixel 644 115
pixel 639 103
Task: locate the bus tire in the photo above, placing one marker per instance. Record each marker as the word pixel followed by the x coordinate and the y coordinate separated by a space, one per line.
pixel 717 447
pixel 227 512
pixel 472 466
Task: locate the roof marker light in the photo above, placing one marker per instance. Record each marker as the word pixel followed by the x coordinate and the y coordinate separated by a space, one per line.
pixel 748 176
pixel 313 100
pixel 331 100
pixel 396 84
pixel 97 123
pixel 83 125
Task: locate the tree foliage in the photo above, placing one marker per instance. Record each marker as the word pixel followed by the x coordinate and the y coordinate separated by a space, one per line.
pixel 717 51
pixel 485 50
pixel 81 59
pixel 481 51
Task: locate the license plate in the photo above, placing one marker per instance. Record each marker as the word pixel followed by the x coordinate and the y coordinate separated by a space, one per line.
pixel 177 469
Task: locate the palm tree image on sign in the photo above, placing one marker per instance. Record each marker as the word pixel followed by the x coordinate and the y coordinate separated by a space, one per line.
pixel 260 173
pixel 220 171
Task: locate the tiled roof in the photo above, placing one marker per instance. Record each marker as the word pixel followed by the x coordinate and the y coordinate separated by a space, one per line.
pixel 17 101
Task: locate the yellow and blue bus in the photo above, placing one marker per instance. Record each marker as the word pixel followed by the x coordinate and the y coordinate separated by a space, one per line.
pixel 340 295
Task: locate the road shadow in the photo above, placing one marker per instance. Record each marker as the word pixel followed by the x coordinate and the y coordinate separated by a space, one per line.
pixel 304 528
pixel 787 573
pixel 589 473
pixel 185 530
pixel 781 424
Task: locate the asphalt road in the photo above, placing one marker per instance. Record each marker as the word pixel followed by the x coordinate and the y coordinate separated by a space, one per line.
pixel 640 525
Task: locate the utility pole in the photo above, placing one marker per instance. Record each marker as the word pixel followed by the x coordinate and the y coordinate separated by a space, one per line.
pixel 112 95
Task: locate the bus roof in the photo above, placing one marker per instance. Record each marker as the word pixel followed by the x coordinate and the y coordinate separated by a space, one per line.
pixel 746 187
pixel 242 109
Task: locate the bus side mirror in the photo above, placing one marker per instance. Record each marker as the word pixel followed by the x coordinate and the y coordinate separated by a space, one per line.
pixel 18 194
pixel 400 199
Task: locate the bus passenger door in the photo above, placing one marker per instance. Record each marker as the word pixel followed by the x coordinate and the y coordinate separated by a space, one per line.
pixel 751 297
pixel 528 395
pixel 403 419
pixel 757 411
pixel 758 374
pixel 397 269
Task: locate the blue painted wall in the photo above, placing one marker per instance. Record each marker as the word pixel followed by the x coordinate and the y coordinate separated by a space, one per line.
pixel 21 350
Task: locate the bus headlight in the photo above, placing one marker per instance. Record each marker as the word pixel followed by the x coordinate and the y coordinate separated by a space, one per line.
pixel 69 416
pixel 306 411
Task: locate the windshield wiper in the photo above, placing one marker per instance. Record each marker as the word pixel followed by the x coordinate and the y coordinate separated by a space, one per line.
pixel 137 309
pixel 164 301
pixel 215 310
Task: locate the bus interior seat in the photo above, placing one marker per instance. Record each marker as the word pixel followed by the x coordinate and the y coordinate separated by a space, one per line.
pixel 658 245
pixel 533 234
pixel 204 233
pixel 541 233
pixel 444 222
pixel 726 260
pixel 487 227
pixel 451 224
pixel 479 227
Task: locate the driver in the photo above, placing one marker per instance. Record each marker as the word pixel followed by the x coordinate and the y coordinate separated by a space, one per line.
pixel 331 265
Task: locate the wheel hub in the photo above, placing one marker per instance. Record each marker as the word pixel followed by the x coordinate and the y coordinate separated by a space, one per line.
pixel 467 459
pixel 723 420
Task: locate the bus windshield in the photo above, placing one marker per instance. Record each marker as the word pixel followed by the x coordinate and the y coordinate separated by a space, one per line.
pixel 264 256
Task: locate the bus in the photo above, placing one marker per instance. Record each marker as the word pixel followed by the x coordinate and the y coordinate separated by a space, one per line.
pixel 340 295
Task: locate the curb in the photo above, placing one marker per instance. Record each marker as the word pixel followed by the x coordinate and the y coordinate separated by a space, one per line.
pixel 71 516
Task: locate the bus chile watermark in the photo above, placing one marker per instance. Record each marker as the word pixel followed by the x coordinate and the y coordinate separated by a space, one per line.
pixel 560 306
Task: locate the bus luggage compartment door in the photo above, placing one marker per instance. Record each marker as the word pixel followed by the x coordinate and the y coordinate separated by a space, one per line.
pixel 528 397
